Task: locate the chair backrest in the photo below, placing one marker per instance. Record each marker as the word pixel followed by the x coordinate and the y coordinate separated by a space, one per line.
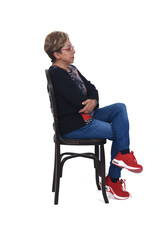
pixel 53 105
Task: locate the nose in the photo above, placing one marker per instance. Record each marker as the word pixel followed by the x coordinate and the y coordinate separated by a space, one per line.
pixel 73 50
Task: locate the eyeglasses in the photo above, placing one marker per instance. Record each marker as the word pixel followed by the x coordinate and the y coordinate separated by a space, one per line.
pixel 71 48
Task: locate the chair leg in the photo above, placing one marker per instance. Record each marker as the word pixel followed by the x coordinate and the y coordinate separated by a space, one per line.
pixel 54 171
pixel 102 158
pixel 97 167
pixel 57 173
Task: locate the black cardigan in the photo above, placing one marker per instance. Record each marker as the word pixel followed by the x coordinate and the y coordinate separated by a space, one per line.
pixel 69 99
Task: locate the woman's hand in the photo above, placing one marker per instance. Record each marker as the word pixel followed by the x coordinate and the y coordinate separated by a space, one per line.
pixel 90 104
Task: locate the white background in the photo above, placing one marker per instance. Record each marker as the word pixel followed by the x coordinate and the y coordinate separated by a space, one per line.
pixel 117 48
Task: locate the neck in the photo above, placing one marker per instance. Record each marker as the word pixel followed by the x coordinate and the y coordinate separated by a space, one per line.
pixel 61 65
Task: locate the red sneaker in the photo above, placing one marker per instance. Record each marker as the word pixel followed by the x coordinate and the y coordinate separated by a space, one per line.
pixel 127 161
pixel 118 189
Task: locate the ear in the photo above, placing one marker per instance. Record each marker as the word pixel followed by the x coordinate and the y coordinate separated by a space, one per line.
pixel 57 55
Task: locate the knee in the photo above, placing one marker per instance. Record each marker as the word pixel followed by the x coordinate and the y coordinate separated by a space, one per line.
pixel 121 106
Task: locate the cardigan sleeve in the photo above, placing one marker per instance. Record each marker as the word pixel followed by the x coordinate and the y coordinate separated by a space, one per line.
pixel 66 88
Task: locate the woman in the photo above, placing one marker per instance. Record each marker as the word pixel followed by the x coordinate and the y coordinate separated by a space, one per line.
pixel 80 116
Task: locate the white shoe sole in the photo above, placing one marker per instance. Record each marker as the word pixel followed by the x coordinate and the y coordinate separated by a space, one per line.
pixel 121 164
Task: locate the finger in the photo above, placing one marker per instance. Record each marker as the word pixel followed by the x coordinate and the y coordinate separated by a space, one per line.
pixel 85 102
pixel 83 110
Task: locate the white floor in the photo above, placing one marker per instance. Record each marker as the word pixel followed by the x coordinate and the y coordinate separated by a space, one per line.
pixel 28 210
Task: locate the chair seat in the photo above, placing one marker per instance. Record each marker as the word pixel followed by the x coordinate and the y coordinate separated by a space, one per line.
pixel 97 141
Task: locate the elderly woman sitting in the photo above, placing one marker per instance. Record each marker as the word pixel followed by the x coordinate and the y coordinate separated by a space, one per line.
pixel 80 116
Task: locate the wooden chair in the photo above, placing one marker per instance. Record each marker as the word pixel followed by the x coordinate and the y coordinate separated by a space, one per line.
pixel 98 155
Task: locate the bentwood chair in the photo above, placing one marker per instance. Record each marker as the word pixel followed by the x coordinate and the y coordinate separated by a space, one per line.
pixel 98 155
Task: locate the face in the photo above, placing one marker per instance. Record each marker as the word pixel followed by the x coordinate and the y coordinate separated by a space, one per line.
pixel 67 53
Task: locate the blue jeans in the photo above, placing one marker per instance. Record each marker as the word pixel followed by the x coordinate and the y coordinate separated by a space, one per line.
pixel 111 123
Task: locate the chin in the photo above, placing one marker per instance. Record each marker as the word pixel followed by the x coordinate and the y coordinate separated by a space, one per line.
pixel 72 60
